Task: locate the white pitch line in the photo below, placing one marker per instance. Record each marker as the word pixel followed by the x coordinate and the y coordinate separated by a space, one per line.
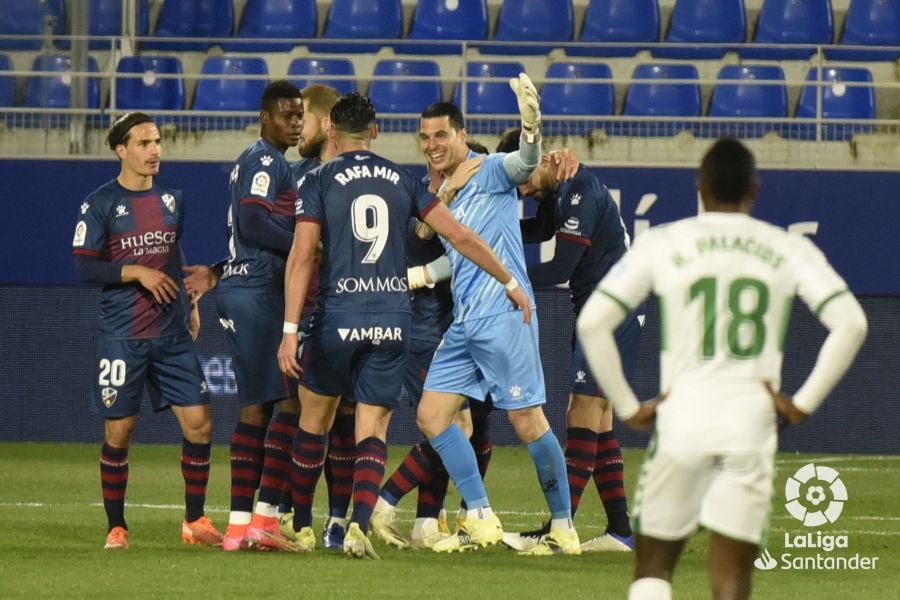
pixel 832 459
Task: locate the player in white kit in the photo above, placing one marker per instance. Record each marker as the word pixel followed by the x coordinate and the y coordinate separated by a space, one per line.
pixel 725 283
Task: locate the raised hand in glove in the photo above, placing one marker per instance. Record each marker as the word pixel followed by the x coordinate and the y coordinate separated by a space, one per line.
pixel 529 103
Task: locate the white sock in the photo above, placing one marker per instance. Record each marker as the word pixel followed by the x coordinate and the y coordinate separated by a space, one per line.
pixel 383 504
pixel 650 588
pixel 423 526
pixel 564 524
pixel 266 510
pixel 239 517
pixel 480 513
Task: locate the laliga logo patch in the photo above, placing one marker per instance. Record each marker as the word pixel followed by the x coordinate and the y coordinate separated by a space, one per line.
pixel 80 234
pixel 806 493
pixel 109 395
pixel 260 186
pixel 169 201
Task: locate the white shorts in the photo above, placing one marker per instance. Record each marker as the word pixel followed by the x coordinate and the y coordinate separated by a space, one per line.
pixel 730 494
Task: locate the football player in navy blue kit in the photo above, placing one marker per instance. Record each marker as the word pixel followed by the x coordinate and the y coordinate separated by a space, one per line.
pixel 590 237
pixel 359 335
pixel 127 240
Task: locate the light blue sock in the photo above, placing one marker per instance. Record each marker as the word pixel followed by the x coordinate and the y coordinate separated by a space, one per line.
pixel 551 471
pixel 459 459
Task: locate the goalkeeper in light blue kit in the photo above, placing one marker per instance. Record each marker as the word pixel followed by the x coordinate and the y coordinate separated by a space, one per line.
pixel 488 347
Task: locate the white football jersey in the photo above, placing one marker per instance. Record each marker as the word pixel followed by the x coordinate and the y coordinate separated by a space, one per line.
pixel 725 283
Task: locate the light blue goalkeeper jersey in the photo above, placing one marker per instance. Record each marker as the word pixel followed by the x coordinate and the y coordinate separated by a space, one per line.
pixel 489 205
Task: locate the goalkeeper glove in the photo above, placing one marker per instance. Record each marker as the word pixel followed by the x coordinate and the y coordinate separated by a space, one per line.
pixel 529 104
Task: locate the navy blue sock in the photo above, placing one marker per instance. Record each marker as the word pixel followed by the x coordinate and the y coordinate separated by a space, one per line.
pixel 459 459
pixel 550 464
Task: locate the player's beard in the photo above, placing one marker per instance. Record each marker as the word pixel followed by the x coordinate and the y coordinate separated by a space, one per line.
pixel 313 148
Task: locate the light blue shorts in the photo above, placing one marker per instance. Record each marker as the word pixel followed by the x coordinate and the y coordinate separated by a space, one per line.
pixel 498 355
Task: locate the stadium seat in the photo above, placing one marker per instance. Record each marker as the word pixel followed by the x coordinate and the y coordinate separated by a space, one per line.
pixel 870 23
pixel 663 99
pixel 7 82
pixel 193 19
pixel 489 97
pixel 275 19
pixel 443 20
pixel 791 22
pixel 149 92
pixel 317 70
pixel 106 19
pixel 54 91
pixel 231 94
pixel 30 17
pixel 532 21
pixel 575 98
pixel 361 19
pixel 618 21
pixel 839 101
pixel 402 95
pixel 704 22
pixel 749 99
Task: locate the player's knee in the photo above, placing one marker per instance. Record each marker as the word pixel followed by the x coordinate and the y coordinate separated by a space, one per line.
pixel 118 432
pixel 199 433
pixel 529 423
pixel 464 420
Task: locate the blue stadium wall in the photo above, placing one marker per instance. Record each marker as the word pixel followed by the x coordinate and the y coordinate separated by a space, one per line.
pixel 48 325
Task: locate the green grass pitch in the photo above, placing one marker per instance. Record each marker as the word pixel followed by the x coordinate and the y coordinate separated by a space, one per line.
pixel 54 529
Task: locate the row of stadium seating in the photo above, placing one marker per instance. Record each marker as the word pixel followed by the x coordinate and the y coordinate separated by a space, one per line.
pixel 758 92
pixel 874 23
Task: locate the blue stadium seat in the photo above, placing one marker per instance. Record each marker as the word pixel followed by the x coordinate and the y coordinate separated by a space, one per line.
pixel 361 19
pixel 231 94
pixel 792 22
pixel 663 99
pixel 575 98
pixel 193 19
pixel 532 21
pixel 870 23
pixel 54 91
pixel 149 92
pixel 402 95
pixel 618 21
pixel 106 19
pixel 7 82
pixel 28 17
pixel 443 20
pixel 839 101
pixel 749 99
pixel 489 97
pixel 275 19
pixel 310 70
pixel 704 21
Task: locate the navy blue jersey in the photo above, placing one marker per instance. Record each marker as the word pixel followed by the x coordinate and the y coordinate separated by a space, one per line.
pixel 586 214
pixel 363 203
pixel 299 170
pixel 432 308
pixel 261 176
pixel 303 166
pixel 135 228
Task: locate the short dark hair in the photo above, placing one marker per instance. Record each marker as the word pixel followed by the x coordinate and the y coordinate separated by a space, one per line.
pixel 729 171
pixel 275 91
pixel 509 142
pixel 121 128
pixel 477 148
pixel 353 113
pixel 446 109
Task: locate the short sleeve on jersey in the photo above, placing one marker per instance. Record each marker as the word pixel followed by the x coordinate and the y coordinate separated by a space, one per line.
pixel 578 214
pixel 425 200
pixel 817 281
pixel 309 200
pixel 492 176
pixel 91 229
pixel 259 179
pixel 631 279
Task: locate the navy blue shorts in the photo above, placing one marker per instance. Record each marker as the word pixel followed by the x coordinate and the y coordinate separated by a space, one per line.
pixel 361 355
pixel 253 321
pixel 628 341
pixel 168 366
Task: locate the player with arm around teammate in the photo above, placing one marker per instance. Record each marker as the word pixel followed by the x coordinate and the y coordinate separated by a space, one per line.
pixel 725 283
pixel 127 239
pixel 358 339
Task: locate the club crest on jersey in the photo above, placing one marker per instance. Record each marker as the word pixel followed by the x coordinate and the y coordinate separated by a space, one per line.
pixel 109 395
pixel 121 211
pixel 169 201
pixel 80 234
pixel 576 199
pixel 260 186
pixel 265 160
pixel 85 207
